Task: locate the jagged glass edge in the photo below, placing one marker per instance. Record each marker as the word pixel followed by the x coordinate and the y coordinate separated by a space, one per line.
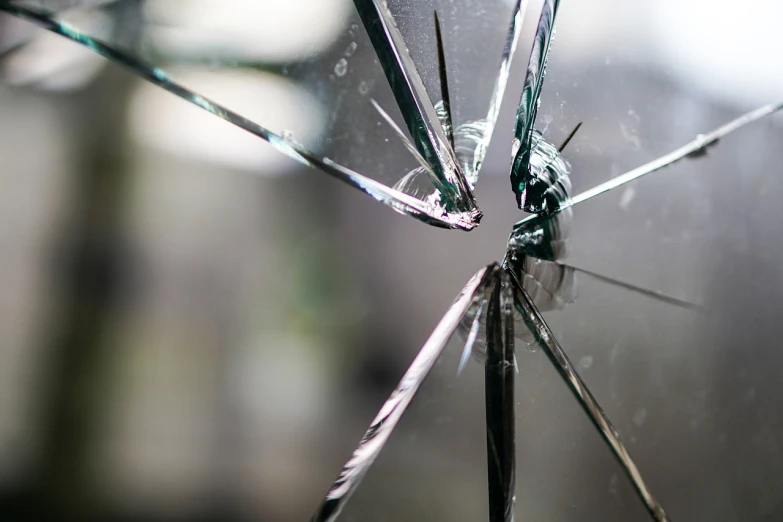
pixel 418 111
pixel 544 336
pixel 501 82
pixel 531 92
pixel 400 202
pixel 392 410
pixel 692 149
pixel 479 133
pixel 406 84
pixel 500 402
pixel 549 344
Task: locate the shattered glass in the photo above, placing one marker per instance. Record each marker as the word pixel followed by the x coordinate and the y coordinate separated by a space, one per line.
pixel 400 101
pixel 339 145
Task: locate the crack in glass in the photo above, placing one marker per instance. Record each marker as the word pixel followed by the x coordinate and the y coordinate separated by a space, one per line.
pixel 500 297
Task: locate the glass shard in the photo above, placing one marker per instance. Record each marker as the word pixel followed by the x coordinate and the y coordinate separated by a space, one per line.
pixel 469 301
pixel 523 146
pixel 544 237
pixel 471 36
pixel 141 56
pixel 652 294
pixel 530 231
pixel 548 184
pixel 695 148
pixel 422 121
pixel 447 120
pixel 433 466
pixel 564 469
pixel 499 376
pixel 534 251
pixel 557 356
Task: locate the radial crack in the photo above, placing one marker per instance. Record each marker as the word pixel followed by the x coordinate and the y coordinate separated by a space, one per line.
pixel 559 359
pixel 393 198
pixel 701 142
pixel 392 410
pixel 528 103
pixel 480 132
pixel 653 294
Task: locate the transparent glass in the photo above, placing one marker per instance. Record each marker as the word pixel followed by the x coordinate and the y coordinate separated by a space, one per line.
pixel 183 339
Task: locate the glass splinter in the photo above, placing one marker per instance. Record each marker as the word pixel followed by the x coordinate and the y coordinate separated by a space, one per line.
pixel 696 146
pixel 384 423
pixel 433 146
pixel 472 139
pixel 417 109
pixel 405 141
pixel 402 203
pixel 499 398
pixel 475 326
pixel 444 83
pixel 570 137
pixel 654 294
pixel 528 103
pixel 543 240
pixel 512 39
pixel 546 340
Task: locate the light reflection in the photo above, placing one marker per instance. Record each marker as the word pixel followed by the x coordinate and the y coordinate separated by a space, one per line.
pixel 266 30
pixel 727 56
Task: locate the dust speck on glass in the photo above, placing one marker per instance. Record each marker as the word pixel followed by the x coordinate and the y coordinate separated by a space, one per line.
pixel 445 127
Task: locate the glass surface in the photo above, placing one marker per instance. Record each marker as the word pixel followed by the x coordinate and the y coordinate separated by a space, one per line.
pixel 434 465
pixel 336 105
pixel 182 339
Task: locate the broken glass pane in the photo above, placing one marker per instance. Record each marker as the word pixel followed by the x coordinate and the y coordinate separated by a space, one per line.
pixel 631 291
pixel 437 449
pixel 217 63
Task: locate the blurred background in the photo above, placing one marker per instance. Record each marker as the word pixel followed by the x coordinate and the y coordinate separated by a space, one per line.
pixel 195 327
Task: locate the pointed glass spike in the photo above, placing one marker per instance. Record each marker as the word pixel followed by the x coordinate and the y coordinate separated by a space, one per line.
pixel 521 169
pixel 695 148
pixel 418 110
pixel 522 229
pixel 478 44
pixel 472 331
pixel 447 120
pixel 546 340
pixel 468 302
pixel 338 77
pixel 564 470
pixel 499 375
pixel 652 294
pixel 533 253
pixel 568 138
pixel 434 464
